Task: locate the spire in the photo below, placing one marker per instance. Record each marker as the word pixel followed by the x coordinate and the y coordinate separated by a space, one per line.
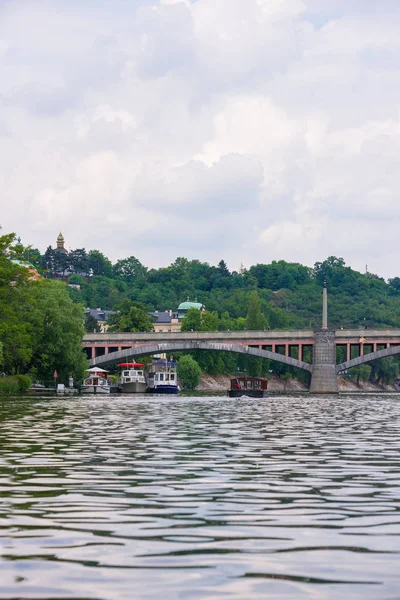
pixel 60 240
pixel 324 307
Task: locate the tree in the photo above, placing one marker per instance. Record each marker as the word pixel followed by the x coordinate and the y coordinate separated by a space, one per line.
pixel 57 328
pixel 130 270
pixel 91 325
pixel 192 320
pixel 222 267
pixel 78 260
pixel 98 263
pixel 189 372
pixel 255 318
pixel 48 260
pixel 209 321
pixel 130 316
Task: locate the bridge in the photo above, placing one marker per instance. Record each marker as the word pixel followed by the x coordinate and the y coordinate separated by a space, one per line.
pixel 288 347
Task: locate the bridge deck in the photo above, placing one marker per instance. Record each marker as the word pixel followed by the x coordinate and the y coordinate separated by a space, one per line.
pixel 304 336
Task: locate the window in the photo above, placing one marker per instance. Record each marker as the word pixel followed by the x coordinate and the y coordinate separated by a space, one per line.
pixel 161 376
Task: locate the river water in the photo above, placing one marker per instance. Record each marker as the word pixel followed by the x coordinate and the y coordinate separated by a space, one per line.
pixel 125 497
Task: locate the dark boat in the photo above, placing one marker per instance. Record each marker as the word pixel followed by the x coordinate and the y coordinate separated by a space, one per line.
pixel 162 378
pixel 254 387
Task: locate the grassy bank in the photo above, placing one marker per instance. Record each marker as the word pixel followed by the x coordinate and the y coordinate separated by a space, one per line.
pixel 14 384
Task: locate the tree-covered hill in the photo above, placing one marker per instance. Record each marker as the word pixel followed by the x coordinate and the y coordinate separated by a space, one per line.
pixel 278 295
pixel 290 293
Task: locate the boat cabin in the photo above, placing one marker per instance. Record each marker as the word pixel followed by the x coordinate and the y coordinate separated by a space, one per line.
pixel 255 387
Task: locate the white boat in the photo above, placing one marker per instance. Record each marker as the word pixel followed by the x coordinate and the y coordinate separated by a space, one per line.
pixel 96 382
pixel 163 378
pixel 132 379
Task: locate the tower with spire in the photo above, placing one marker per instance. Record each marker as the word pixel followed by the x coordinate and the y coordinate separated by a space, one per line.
pixel 60 244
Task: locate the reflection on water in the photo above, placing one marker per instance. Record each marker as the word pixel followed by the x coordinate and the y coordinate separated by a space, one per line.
pixel 128 497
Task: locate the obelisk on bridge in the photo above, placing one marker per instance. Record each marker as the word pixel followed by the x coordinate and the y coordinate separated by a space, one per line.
pixel 323 377
pixel 324 307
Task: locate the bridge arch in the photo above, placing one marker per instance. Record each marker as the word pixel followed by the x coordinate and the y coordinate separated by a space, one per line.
pixel 188 345
pixel 360 360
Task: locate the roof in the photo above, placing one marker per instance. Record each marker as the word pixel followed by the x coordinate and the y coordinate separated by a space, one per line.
pixel 98 314
pixel 187 305
pixel 162 317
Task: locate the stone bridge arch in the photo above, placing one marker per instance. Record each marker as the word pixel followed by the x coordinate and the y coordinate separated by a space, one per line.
pixel 166 347
pixel 360 360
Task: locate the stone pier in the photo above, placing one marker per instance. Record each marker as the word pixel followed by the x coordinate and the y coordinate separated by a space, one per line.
pixel 324 378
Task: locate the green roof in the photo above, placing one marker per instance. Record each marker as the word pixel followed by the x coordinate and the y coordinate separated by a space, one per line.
pixel 187 305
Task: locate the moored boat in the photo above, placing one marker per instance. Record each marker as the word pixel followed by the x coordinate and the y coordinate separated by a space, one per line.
pixel 254 387
pixel 162 378
pixel 132 379
pixel 96 382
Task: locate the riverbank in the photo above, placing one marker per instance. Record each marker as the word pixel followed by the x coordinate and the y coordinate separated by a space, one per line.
pixel 221 383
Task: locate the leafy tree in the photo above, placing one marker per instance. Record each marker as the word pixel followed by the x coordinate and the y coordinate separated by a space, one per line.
pixel 192 320
pixel 130 316
pixel 61 262
pixel 255 318
pixel 48 260
pixel 78 260
pixel 91 325
pixel 189 372
pixel 130 270
pixel 98 263
pixel 209 321
pixel 57 325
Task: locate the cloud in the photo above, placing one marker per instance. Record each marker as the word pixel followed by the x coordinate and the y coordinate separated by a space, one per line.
pixel 251 131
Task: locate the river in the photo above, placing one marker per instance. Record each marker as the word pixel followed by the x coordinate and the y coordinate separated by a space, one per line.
pixel 121 498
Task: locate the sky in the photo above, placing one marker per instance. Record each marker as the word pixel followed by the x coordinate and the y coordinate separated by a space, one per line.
pixel 243 130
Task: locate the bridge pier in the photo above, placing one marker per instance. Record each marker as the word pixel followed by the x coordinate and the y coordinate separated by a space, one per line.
pixel 323 376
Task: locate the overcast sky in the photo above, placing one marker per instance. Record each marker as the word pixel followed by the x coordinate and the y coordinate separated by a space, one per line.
pixel 248 130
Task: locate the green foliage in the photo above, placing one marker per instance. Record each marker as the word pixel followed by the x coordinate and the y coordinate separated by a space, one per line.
pixel 91 325
pixel 192 320
pixel 189 372
pixel 41 328
pixel 130 270
pixel 14 384
pixel 255 318
pixel 361 373
pixel 130 316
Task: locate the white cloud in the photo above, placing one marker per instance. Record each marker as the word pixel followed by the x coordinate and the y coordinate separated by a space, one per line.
pixel 251 131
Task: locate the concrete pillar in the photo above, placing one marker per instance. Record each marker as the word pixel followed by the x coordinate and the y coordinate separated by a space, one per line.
pixel 324 307
pixel 361 348
pixel 106 350
pixel 93 351
pixel 324 378
pixel 286 349
pixel 300 351
pixel 348 350
pixel 273 347
pixel 375 347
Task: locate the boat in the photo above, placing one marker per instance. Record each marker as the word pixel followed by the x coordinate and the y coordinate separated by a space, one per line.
pixel 96 382
pixel 253 387
pixel 162 378
pixel 132 380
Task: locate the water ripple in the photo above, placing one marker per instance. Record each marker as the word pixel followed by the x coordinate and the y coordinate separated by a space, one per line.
pixel 281 497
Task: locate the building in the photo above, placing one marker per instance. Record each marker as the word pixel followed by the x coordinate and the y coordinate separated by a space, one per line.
pixel 185 306
pixel 60 244
pixel 101 317
pixel 165 321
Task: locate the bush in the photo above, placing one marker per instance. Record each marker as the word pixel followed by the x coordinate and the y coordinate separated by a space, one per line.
pixel 14 384
pixel 189 372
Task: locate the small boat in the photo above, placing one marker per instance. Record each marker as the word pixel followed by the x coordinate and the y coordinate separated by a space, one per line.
pixel 132 380
pixel 96 382
pixel 163 378
pixel 254 387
